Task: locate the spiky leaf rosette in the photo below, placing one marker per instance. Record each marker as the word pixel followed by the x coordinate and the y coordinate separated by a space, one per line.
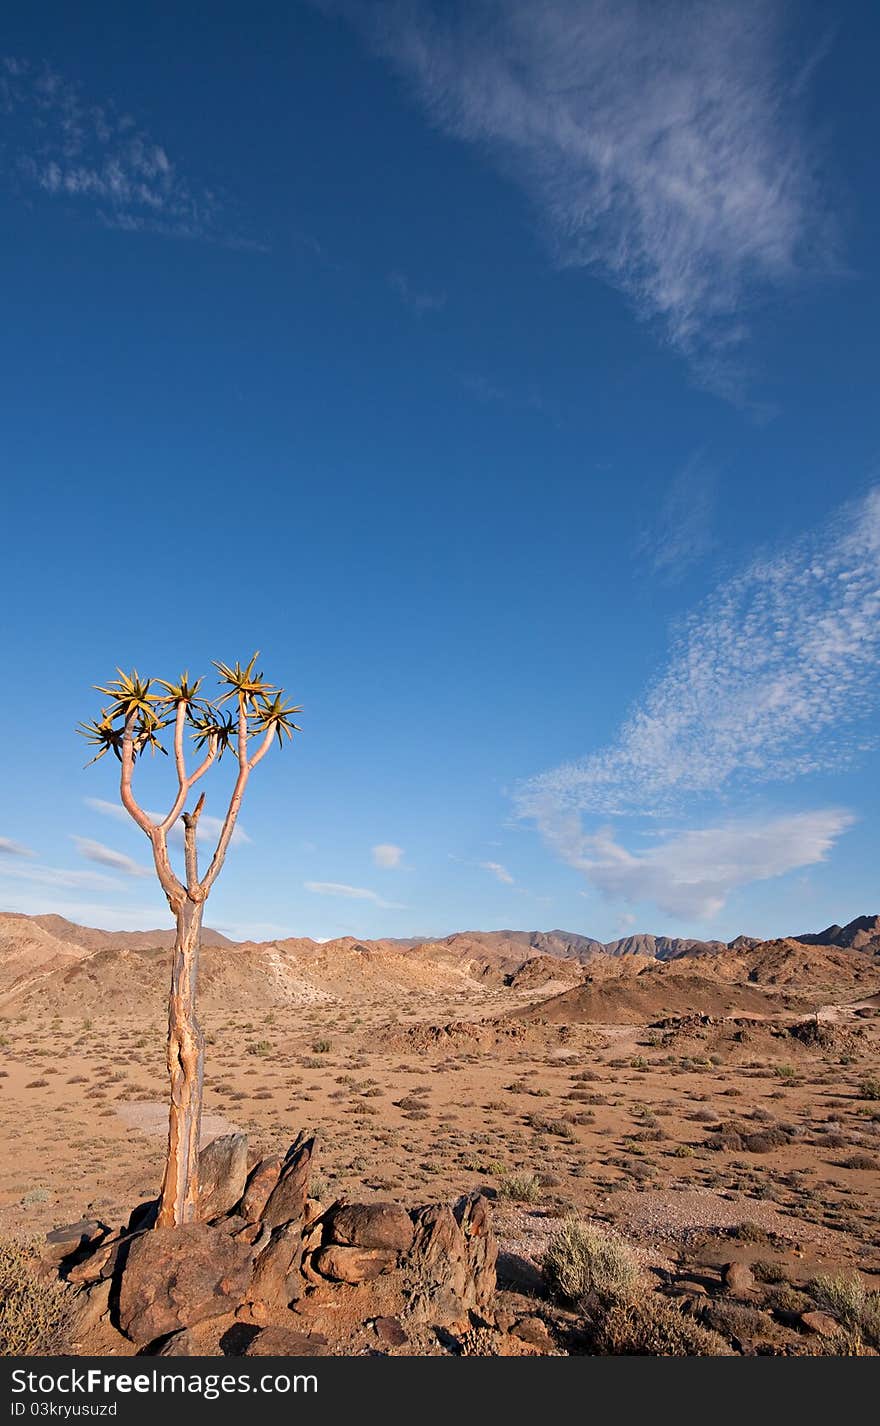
pixel 243 682
pixel 272 713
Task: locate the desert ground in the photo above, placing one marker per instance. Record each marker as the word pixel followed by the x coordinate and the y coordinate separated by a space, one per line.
pixel 718 1106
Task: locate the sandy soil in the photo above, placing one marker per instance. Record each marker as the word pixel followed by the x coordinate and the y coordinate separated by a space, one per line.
pixel 612 1120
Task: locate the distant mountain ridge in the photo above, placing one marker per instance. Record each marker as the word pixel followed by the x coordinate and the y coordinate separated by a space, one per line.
pixel 54 966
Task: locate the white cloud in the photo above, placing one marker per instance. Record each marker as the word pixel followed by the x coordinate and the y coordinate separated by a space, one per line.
pixel 106 856
pixel 350 893
pixel 8 848
pixel 661 142
pixel 681 535
pixel 61 143
pixel 772 678
pixel 768 680
pixel 692 873
pixel 48 876
pixel 498 871
pixel 387 856
pixel 208 830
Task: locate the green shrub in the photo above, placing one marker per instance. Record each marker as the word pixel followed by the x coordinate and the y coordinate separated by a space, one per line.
pixel 585 1262
pixel 870 1087
pixel 521 1187
pixel 847 1299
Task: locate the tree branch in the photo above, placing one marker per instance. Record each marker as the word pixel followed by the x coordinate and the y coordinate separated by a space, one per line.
pixel 190 822
pixel 128 799
pixel 244 768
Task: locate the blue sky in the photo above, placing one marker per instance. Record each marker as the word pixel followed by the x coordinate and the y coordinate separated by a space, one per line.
pixel 506 373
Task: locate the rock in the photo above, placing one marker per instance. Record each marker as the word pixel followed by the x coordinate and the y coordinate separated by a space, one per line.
pixel 821 1322
pixel 277 1278
pixel 475 1220
pixel 175 1277
pixel 353 1264
pixel 737 1278
pixel 92 1267
pixel 285 1342
pixel 451 1267
pixel 534 1331
pixel 89 1306
pixel 372 1225
pixel 286 1203
pixel 64 1242
pixel 222 1175
pixel 390 1331
pixel 260 1184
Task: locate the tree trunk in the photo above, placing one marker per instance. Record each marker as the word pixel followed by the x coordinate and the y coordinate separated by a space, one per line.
pixel 186 1053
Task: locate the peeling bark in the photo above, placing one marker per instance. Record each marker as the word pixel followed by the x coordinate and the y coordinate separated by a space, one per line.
pixel 186 1055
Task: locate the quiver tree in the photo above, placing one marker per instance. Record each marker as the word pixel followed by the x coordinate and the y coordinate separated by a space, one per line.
pixel 134 721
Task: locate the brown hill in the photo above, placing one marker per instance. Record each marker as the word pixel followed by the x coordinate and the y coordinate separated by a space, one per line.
pixel 640 999
pixel 862 934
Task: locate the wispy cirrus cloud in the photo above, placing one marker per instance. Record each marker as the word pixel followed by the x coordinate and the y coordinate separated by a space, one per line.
pixel 351 893
pixel 208 830
pixel 57 877
pixel 107 856
pixel 498 871
pixel 772 678
pixel 9 848
pixel 681 534
pixel 61 143
pixel 661 141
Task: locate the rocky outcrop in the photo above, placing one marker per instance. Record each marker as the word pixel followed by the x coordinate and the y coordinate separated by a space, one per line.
pixel 270 1252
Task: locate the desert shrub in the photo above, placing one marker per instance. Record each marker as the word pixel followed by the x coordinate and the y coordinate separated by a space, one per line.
pixel 735 1319
pixel 654 1328
pixel 764 1141
pixel 847 1299
pixel 260 1047
pixel 861 1161
pixel 749 1232
pixel 726 1140
pixel 870 1087
pixel 787 1300
pixel 321 1047
pixel 521 1187
pixel 586 1262
pixel 33 1312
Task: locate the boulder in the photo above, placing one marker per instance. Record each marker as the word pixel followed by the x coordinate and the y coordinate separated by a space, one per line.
pixel 738 1278
pixel 175 1277
pixel 353 1265
pixel 260 1184
pixel 94 1266
pixel 89 1306
pixel 73 1238
pixel 451 1267
pixel 821 1322
pixel 222 1175
pixel 277 1277
pixel 286 1203
pixel 372 1225
pixel 285 1342
pixel 390 1331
